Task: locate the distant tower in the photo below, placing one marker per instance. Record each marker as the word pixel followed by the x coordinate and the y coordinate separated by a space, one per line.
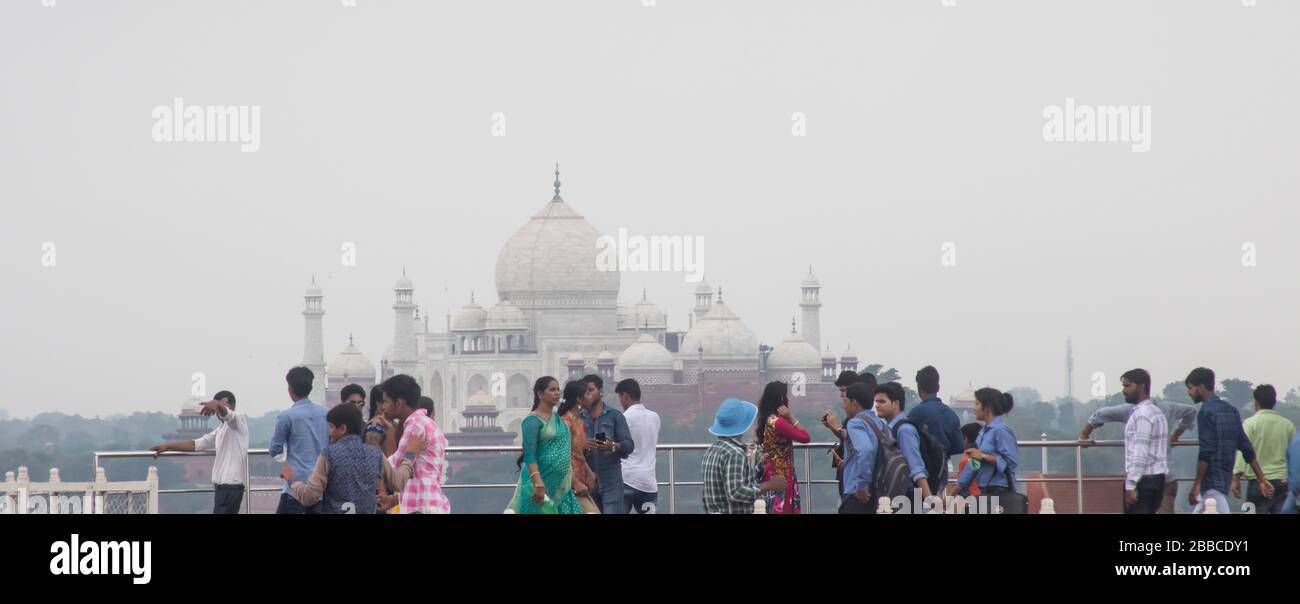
pixel 403 360
pixel 1069 368
pixel 703 300
pixel 313 350
pixel 811 304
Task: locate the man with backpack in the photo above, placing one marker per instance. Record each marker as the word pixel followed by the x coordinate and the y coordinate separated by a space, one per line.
pixel 933 416
pixel 922 451
pixel 862 437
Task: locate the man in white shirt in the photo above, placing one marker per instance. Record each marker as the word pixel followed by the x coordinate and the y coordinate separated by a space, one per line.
pixel 640 488
pixel 230 439
pixel 1146 445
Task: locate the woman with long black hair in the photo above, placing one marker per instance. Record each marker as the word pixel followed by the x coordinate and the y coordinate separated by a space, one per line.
pixel 547 488
pixel 777 432
pixel 575 400
pixel 996 451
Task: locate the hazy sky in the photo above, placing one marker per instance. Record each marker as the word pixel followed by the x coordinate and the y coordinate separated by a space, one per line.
pixel 924 126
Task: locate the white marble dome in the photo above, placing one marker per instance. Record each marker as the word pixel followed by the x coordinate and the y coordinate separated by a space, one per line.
pixel 794 352
pixel 506 316
pixel 351 363
pixel 645 354
pixel 313 290
pixel 722 335
pixel 811 279
pixel 470 317
pixel 553 255
pixel 648 316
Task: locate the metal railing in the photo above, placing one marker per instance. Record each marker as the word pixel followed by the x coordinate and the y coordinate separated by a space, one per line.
pixel 672 484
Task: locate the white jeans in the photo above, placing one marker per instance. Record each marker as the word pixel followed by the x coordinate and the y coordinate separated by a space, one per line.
pixel 1220 499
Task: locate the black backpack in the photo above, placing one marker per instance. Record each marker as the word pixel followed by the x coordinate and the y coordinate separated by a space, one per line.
pixel 891 476
pixel 933 453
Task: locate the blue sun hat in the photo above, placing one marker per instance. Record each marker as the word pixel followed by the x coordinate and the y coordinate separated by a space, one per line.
pixel 734 417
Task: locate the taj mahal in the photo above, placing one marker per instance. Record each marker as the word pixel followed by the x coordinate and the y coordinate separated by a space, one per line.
pixel 558 314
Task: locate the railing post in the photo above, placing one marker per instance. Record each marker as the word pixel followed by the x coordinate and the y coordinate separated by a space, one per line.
pixel 1078 475
pixel 807 476
pixel 672 481
pixel 153 490
pixel 23 483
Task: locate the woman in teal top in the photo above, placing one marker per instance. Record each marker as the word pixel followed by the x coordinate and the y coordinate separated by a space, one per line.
pixel 547 486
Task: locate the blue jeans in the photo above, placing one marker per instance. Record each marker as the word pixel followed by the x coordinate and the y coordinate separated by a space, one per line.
pixel 609 498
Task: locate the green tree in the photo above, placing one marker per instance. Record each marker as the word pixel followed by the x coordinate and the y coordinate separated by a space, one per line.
pixel 1238 393
pixel 882 375
pixel 1176 392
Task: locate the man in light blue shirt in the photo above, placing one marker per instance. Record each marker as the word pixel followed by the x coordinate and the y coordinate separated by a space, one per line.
pixel 890 400
pixel 1292 476
pixel 860 450
pixel 301 434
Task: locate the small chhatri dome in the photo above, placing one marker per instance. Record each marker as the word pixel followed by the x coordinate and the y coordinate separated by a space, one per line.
pixel 811 279
pixel 313 290
pixel 849 355
pixel 605 357
pixel 404 282
pixel 704 287
pixel 646 354
pixel 794 352
pixel 470 317
pixel 577 358
pixel 506 315
pixel 648 316
pixel 828 355
pixel 351 363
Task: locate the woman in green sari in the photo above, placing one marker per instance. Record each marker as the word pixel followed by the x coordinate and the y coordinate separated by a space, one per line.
pixel 547 487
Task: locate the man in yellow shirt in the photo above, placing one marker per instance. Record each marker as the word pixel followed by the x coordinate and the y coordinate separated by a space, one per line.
pixel 1269 434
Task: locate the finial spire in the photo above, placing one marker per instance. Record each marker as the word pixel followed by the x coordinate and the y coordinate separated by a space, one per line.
pixel 557 183
pixel 719 294
pixel 792 330
pixel 471 296
pixel 643 294
pixel 349 338
pixel 313 278
pixel 403 270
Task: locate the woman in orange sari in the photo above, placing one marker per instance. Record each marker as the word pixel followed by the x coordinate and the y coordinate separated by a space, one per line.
pixel 584 480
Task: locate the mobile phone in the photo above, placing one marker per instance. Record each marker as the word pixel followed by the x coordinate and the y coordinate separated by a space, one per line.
pixel 600 436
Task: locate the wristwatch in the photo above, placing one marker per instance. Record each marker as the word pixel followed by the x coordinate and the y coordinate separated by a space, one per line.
pixel 409 456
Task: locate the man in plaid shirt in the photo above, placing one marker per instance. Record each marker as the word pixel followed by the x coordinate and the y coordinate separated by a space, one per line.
pixel 730 484
pixel 423 492
pixel 1145 446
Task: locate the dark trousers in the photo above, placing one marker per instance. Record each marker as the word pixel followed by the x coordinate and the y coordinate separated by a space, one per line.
pixel 1265 505
pixel 1150 492
pixel 850 505
pixel 226 498
pixel 639 502
pixel 289 505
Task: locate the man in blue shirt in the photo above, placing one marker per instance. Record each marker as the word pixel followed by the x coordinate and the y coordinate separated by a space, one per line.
pixel 1221 436
pixel 860 450
pixel 301 433
pixel 605 455
pixel 889 401
pixel 937 418
pixel 1292 476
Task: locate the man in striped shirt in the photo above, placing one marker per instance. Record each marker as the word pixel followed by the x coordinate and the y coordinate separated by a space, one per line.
pixel 1146 436
pixel 423 492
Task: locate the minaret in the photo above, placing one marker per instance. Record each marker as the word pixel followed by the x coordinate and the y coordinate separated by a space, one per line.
pixel 403 360
pixel 811 304
pixel 703 300
pixel 313 349
pixel 1069 368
